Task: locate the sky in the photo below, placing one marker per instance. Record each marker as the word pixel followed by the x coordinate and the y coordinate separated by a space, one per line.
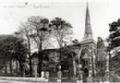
pixel 102 13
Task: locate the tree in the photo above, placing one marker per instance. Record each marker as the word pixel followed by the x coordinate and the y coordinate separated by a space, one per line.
pixel 40 27
pixel 24 32
pixel 20 54
pixel 14 48
pixel 114 45
pixel 4 51
pixel 60 30
pixel 114 37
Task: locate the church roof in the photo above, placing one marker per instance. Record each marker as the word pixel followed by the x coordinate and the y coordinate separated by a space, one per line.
pixel 88 41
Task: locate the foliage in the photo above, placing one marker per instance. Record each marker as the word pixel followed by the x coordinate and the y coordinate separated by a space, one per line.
pixel 12 45
pixel 60 30
pixel 68 53
pixel 114 64
pixel 40 28
pixel 114 36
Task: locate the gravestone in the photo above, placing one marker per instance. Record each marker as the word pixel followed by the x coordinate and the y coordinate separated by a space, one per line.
pixel 47 75
pixel 42 74
pixel 59 77
pixel 42 78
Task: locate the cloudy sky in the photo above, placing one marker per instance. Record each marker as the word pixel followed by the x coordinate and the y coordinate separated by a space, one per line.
pixel 102 12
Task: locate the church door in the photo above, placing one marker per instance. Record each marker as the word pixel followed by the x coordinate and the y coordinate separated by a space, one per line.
pixel 85 74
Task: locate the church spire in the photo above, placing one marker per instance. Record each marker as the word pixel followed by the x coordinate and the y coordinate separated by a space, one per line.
pixel 88 30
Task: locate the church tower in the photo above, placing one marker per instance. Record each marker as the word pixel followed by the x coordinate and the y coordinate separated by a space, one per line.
pixel 87 53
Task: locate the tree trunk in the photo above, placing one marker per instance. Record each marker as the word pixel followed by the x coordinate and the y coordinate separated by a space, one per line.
pixel 29 48
pixel 21 69
pixel 6 68
pixel 40 59
pixel 74 67
pixel 30 64
pixel 11 66
pixel 17 67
